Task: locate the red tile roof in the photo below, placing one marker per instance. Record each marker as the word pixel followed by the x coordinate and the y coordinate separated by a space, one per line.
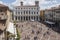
pixel 2 5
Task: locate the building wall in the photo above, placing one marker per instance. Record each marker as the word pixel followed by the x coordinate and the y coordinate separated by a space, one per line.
pixel 52 14
pixel 4 20
pixel 42 17
pixel 49 15
pixel 7 21
pixel 57 14
pixel 8 17
pixel 26 13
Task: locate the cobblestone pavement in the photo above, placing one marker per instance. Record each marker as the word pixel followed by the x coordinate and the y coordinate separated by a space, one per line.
pixel 36 31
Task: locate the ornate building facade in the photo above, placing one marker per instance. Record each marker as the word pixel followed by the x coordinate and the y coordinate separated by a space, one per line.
pixel 26 12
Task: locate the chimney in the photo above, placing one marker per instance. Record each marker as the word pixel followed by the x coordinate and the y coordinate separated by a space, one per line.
pixel 21 3
pixel 36 3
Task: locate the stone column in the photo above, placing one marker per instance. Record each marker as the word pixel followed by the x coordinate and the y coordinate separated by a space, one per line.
pixel 30 18
pixel 25 15
pixel 17 18
pixel 22 18
pixel 25 18
pixel 38 18
pixel 33 17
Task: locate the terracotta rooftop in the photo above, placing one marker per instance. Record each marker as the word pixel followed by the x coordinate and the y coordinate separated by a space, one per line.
pixel 2 5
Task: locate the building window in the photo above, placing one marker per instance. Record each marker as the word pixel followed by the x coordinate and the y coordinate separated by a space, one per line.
pixel 57 11
pixel 29 17
pixel 21 18
pixel 37 8
pixel 21 8
pixel 37 12
pixel 32 8
pixel 24 8
pixel 18 17
pixel 32 12
pixel 26 12
pixel 29 8
pixel 21 12
pixel 16 8
pixel 3 24
pixel 37 17
pixel 0 10
pixel 29 12
pixel 34 17
pixel 18 12
pixel 2 14
pixel 12 17
pixel 15 17
pixel 3 38
pixel 24 17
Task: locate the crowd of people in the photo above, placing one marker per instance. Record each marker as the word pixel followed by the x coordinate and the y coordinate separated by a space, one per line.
pixel 36 31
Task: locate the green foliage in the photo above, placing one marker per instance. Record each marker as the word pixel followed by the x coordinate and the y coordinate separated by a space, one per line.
pixel 18 35
pixel 10 35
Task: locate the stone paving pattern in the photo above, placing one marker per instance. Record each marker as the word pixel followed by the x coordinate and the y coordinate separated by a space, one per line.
pixel 36 31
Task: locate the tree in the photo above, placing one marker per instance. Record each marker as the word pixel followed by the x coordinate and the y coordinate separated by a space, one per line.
pixel 18 35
